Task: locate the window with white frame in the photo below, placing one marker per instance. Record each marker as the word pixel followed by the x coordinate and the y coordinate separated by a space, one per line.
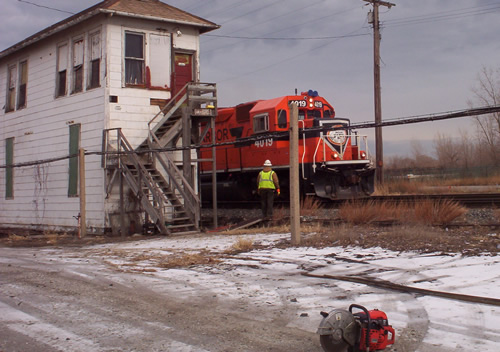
pixel 95 60
pixel 77 63
pixel 134 59
pixel 17 82
pixel 62 68
pixel 11 88
pixel 261 123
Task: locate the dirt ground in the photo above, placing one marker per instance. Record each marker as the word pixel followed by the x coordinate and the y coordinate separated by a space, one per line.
pixel 476 232
pixel 59 294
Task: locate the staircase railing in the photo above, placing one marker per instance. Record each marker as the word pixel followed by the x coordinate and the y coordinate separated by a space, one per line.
pixel 178 181
pixel 170 108
pixel 126 152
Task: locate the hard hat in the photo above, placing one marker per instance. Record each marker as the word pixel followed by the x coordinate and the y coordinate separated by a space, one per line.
pixel 268 163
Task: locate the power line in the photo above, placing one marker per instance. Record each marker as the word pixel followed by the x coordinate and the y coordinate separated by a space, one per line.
pixel 45 7
pixel 294 27
pixel 444 16
pixel 253 25
pixel 288 38
pixel 391 122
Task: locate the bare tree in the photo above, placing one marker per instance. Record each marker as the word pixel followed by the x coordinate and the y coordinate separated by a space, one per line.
pixel 487 93
pixel 447 151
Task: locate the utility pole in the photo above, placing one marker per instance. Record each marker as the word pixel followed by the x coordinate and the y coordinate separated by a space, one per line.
pixel 379 149
pixel 294 175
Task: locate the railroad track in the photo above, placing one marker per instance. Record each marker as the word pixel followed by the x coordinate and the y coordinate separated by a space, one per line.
pixel 470 200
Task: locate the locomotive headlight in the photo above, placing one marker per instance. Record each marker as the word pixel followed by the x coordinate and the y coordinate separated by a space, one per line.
pixel 335 155
pixel 310 100
pixel 310 105
pixel 363 155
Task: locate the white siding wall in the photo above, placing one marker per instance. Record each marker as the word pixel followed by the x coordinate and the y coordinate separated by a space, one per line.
pixel 41 131
pixel 133 110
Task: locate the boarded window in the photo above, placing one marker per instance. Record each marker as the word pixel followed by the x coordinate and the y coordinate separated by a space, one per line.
pixel 11 88
pixel 95 60
pixel 74 145
pixel 282 119
pixel 134 59
pixel 77 66
pixel 23 82
pixel 62 67
pixel 261 123
pixel 9 171
pixel 159 60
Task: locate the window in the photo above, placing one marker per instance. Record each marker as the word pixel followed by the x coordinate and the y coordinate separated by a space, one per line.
pixel 9 171
pixel 261 123
pixel 62 66
pixel 11 88
pixel 134 59
pixel 77 66
pixel 23 81
pixel 95 60
pixel 313 114
pixel 74 145
pixel 282 119
pixel 327 113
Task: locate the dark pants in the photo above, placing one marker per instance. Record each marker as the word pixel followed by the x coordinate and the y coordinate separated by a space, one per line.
pixel 267 200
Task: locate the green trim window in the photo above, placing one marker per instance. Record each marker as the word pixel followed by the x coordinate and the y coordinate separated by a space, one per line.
pixel 9 170
pixel 74 146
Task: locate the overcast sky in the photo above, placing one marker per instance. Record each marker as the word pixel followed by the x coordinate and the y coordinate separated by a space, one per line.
pixel 431 53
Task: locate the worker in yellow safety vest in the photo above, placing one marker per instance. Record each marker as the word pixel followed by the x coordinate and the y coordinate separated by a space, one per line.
pixel 267 185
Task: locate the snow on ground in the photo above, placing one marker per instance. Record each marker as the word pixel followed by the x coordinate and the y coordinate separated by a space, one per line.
pixel 272 277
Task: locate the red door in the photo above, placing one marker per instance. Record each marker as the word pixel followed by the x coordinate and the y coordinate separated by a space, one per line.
pixel 183 71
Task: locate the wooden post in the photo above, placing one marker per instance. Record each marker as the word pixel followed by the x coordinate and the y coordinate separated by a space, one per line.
pixel 214 173
pixel 83 205
pixel 294 175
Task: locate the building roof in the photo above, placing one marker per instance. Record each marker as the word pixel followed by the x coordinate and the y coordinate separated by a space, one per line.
pixel 145 9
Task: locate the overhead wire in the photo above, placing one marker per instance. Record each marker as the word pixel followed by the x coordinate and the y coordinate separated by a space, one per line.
pixel 444 15
pixel 245 140
pixel 253 25
pixel 295 26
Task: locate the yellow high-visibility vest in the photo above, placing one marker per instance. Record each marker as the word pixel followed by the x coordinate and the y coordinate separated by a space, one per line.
pixel 266 180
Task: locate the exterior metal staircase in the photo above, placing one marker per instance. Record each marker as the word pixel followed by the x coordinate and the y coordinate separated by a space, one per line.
pixel 164 186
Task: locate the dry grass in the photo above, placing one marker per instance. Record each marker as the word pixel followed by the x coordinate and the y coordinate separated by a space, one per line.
pixel 241 245
pixel 268 229
pixel 428 212
pixel 428 185
pixel 183 259
pixel 309 206
pixel 437 212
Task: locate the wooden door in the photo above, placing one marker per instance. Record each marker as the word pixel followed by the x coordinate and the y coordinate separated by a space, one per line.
pixel 183 70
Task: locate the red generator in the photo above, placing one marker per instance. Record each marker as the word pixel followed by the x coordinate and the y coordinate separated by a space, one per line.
pixel 342 330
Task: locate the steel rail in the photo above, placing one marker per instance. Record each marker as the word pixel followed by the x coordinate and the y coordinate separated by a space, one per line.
pixel 408 289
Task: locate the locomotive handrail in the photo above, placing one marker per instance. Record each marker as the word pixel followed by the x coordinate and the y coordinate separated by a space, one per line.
pixel 303 149
pixel 343 147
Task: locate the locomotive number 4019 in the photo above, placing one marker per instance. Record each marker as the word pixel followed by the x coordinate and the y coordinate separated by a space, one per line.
pixel 268 142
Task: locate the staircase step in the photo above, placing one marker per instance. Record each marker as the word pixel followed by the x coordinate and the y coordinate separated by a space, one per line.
pixel 180 219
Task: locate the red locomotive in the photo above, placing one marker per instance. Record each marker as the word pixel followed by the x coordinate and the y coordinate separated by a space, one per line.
pixel 334 160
